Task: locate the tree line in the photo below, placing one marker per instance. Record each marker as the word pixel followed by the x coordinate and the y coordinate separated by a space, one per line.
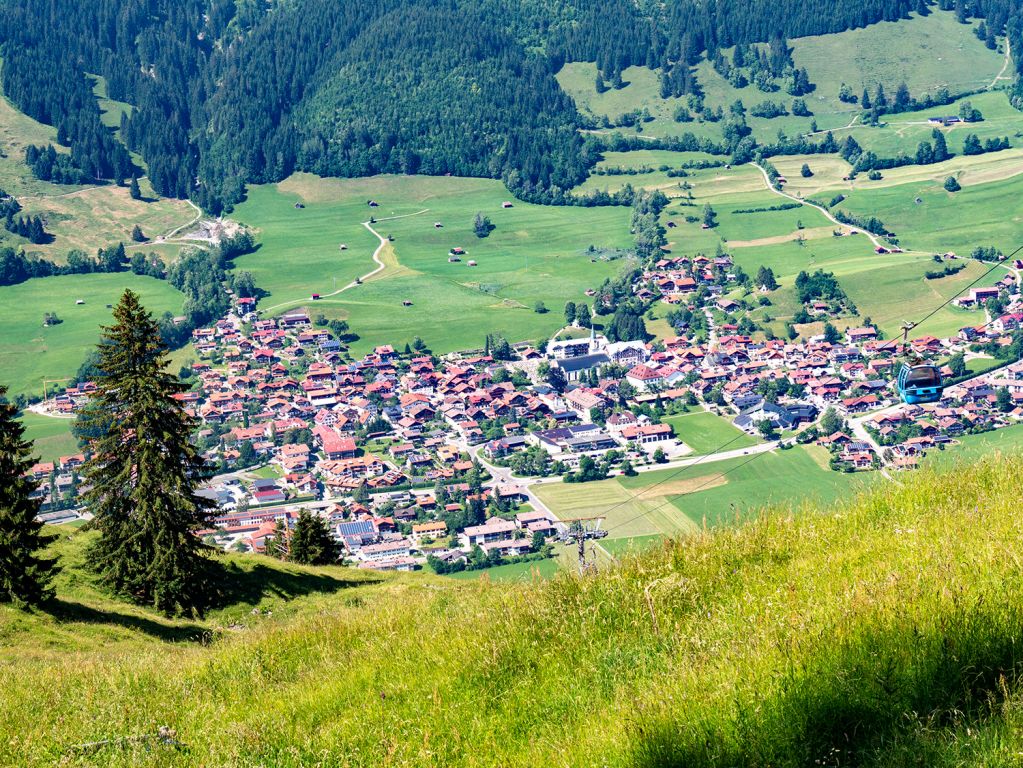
pixel 227 93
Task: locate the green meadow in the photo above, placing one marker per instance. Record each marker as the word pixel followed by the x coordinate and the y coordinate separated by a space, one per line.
pixel 878 631
pixel 979 214
pixel 83 217
pixel 533 254
pixel 887 288
pixel 926 53
pixel 902 133
pixel 51 437
pixel 675 500
pixel 528 571
pixel 30 352
pixel 707 432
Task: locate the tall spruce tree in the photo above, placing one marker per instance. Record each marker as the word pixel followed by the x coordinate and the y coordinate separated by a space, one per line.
pixel 24 576
pixel 311 542
pixel 143 471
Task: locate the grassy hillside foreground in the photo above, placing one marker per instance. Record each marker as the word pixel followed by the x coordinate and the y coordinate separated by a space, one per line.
pixel 882 633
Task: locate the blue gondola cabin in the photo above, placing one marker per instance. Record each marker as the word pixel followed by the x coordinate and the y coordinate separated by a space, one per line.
pixel 920 384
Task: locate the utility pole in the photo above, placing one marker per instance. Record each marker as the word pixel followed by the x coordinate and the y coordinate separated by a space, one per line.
pixel 579 530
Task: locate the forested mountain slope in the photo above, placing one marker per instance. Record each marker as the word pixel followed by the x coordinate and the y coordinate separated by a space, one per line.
pixel 231 92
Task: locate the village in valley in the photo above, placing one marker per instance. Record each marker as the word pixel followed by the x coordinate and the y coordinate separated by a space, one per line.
pixel 417 460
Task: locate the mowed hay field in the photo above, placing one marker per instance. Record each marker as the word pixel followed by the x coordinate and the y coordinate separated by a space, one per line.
pixel 629 512
pixel 535 253
pixel 676 500
pixel 29 352
pixel 980 214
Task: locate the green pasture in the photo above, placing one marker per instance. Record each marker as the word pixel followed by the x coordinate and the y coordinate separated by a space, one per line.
pixel 734 489
pixel 655 158
pixel 51 436
pixel 534 253
pixel 926 52
pixel 630 545
pixel 30 352
pixel 83 217
pixel 902 133
pixel 1008 440
pixel 17 131
pixel 543 569
pixel 300 248
pixel 977 215
pixel 707 432
pixel 670 501
pixel 888 288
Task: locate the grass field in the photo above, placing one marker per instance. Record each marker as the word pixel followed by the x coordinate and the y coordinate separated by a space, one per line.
pixel 926 52
pixel 1008 440
pixel 30 352
pixel 706 432
pixel 52 437
pixel 901 133
pixel 535 253
pixel 671 501
pixel 629 513
pixel 888 288
pixel 879 632
pixel 981 214
pixel 542 569
pixel 631 545
pixel 86 620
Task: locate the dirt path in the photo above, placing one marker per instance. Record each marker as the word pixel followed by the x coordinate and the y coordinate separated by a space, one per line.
pixel 1005 66
pixel 380 265
pixel 852 124
pixel 767 179
pixel 170 237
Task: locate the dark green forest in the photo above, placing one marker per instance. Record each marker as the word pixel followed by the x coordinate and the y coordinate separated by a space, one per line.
pixel 227 92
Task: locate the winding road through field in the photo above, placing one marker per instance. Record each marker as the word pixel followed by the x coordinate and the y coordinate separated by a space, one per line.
pixel 873 238
pixel 380 265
